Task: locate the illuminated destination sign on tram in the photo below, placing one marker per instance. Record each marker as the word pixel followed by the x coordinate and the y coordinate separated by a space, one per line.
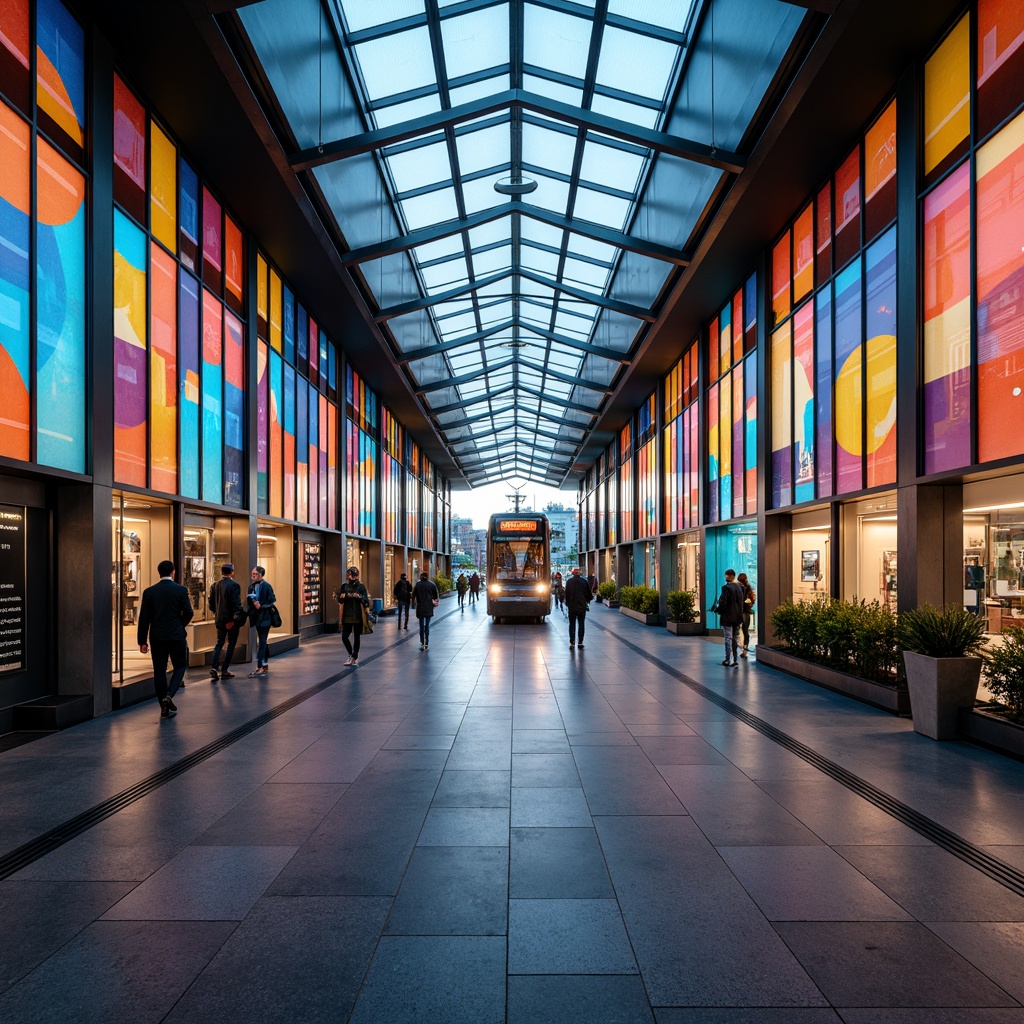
pixel 518 526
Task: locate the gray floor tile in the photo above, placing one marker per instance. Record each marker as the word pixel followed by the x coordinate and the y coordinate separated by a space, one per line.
pixel 275 815
pixel 558 863
pixel 292 959
pixel 458 980
pixel 539 741
pixel 681 749
pixel 747 1015
pixel 473 789
pixel 997 949
pixel 453 890
pixel 465 826
pixel 537 770
pixel 540 999
pixel 882 964
pixel 611 789
pixel 971 1015
pixel 554 807
pixel 574 936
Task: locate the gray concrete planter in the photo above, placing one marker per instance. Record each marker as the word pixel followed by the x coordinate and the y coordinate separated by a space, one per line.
pixel 981 725
pixel 685 628
pixel 647 620
pixel 888 698
pixel 939 688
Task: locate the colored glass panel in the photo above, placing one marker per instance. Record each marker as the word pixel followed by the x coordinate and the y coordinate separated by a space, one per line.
pixel 313 453
pixel 15 207
pixel 188 205
pixel 803 255
pixel 163 371
pixel 781 280
pixel 737 326
pixel 1000 284
pixel 130 352
pixel 213 399
pixel 750 305
pixel 332 466
pixel 849 384
pixel 188 305
pixel 276 342
pixel 823 391
pixel 714 460
pixel 129 151
pixel 947 323
pixel 725 448
pixel 262 296
pixel 714 359
pixel 323 362
pixel 276 435
pixel 301 451
pixel 1000 61
pixel 738 504
pixel 750 418
pixel 627 502
pixel 163 186
pixel 332 375
pixel 14 52
pixel 262 427
pixel 60 77
pixel 314 349
pixel 880 173
pixel 234 411
pixel 647 484
pixel 803 402
pixel 213 260
pixel 880 360
pixel 60 311
pixel 289 326
pixel 782 417
pixel 671 473
pixel 823 236
pixel 289 441
pixel 302 340
pixel 847 233
pixel 947 101
pixel 234 265
pixel 725 339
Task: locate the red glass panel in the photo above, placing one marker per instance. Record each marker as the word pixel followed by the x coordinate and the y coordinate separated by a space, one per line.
pixel 129 151
pixel 848 208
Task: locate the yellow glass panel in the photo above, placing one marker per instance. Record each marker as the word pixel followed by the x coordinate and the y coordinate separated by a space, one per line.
pixel 275 311
pixel 261 287
pixel 163 186
pixel 947 96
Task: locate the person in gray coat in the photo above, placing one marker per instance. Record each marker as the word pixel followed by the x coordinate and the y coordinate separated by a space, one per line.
pixel 578 596
pixel 425 599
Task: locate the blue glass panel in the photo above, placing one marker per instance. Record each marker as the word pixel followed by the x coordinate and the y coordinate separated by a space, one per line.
pixel 188 339
pixel 213 424
pixel 302 335
pixel 289 399
pixel 62 41
pixel 15 360
pixel 302 424
pixel 60 343
pixel 234 418
pixel 289 325
pixel 823 389
pixel 332 360
pixel 188 213
pixel 323 360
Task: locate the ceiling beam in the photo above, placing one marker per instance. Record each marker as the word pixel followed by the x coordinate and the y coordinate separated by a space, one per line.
pixel 456 406
pixel 465 378
pixel 565 378
pixel 564 402
pixel 616 305
pixel 660 142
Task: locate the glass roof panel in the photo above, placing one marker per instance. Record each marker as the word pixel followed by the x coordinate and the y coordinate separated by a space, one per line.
pixel 601 208
pixel 432 208
pixel 539 231
pixel 553 39
pixel 452 326
pixel 487 147
pixel 496 314
pixel 551 194
pixel 541 260
pixel 634 113
pixel 396 63
pixel 553 90
pixel 439 249
pixel 610 166
pixel 492 231
pixel 588 274
pixel 635 63
pixel 475 41
pixel 546 148
pixel 479 193
pixel 399 112
pixel 492 260
pixel 673 15
pixel 445 275
pixel 581 245
pixel 424 165
pixel 360 14
pixel 477 90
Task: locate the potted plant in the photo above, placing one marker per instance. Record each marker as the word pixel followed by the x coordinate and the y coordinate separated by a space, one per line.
pixel 1004 672
pixel 608 593
pixel 941 652
pixel 641 603
pixel 682 613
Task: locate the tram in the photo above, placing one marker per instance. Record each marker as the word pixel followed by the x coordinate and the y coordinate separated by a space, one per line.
pixel 519 566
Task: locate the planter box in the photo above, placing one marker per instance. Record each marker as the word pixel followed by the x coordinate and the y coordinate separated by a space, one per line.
pixel 888 698
pixel 939 688
pixel 644 617
pixel 991 730
pixel 686 628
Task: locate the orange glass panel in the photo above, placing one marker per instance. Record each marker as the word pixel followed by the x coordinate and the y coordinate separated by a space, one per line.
pixel 233 265
pixel 847 237
pixel 880 173
pixel 276 306
pixel 713 357
pixel 1000 61
pixel 163 371
pixel 737 326
pixel 14 50
pixel 781 279
pixel 129 151
pixel 823 235
pixel 947 100
pixel 803 254
pixel 262 303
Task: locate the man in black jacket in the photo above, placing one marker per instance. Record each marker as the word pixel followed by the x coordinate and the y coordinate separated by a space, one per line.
pixel 226 602
pixel 164 613
pixel 730 612
pixel 403 595
pixel 578 596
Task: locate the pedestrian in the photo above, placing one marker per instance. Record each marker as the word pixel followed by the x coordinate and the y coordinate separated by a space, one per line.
pixel 558 590
pixel 749 599
pixel 425 598
pixel 164 613
pixel 474 588
pixel 403 595
pixel 578 596
pixel 729 607
pixel 226 602
pixel 461 586
pixel 353 598
pixel 261 602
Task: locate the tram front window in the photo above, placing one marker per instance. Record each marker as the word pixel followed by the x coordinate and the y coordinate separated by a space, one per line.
pixel 518 560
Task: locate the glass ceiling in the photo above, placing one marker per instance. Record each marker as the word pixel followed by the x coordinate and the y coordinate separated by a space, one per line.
pixel 515 315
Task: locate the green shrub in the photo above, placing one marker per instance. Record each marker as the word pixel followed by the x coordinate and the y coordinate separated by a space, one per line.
pixel 682 605
pixel 641 599
pixel 443 583
pixel 1004 671
pixel 607 590
pixel 952 632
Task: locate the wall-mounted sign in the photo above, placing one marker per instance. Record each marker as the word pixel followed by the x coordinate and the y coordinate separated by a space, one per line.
pixel 12 589
pixel 518 526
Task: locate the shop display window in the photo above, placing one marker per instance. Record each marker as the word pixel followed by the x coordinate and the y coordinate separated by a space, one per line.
pixel 869 554
pixel 811 542
pixel 275 551
pixel 994 551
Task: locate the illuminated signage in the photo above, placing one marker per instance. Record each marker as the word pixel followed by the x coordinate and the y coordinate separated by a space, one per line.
pixel 518 526
pixel 12 589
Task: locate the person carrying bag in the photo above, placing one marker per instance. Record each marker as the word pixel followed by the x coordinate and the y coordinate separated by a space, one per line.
pixel 355 606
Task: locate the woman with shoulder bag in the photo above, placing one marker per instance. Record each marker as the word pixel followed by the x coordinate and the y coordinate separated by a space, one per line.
pixel 354 601
pixel 263 614
pixel 425 599
pixel 749 597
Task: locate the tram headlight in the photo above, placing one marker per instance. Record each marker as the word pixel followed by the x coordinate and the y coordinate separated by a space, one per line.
pixel 494 589
pixel 542 588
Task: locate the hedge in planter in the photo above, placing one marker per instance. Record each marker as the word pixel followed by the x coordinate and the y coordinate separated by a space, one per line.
pixel 640 599
pixel 682 605
pixel 607 590
pixel 1004 672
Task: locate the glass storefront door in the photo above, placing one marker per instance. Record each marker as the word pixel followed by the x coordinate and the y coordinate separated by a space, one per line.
pixel 729 547
pixel 275 551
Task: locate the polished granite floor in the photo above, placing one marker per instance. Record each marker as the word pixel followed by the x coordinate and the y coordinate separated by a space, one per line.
pixel 501 829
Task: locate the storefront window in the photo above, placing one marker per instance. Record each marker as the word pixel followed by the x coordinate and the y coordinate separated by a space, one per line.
pixel 730 547
pixel 275 552
pixel 994 551
pixel 812 542
pixel 687 568
pixel 869 567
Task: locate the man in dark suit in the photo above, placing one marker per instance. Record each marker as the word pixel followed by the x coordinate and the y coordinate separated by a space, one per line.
pixel 164 613
pixel 226 601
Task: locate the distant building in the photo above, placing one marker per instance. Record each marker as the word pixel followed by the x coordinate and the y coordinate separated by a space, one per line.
pixel 564 536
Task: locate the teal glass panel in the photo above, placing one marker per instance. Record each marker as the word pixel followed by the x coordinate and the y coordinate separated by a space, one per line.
pixel 188 340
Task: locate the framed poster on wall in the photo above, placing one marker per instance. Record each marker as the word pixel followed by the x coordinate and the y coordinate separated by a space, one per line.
pixel 810 566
